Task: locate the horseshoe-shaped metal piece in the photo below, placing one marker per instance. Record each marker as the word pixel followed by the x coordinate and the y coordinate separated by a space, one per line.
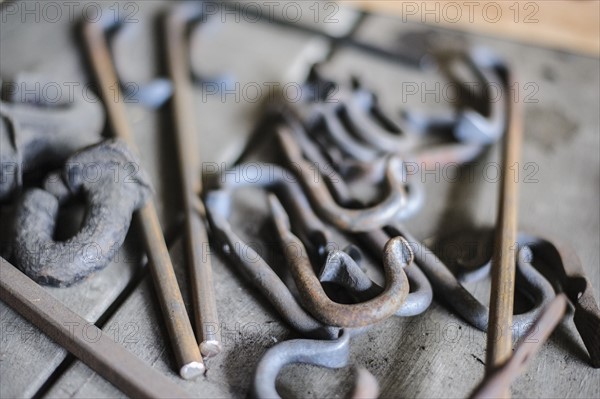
pixel 339 187
pixel 43 132
pixel 331 354
pixel 481 126
pixel 352 118
pixel 451 291
pixel 342 269
pixel 485 128
pixel 112 195
pixel 565 263
pixel 218 208
pixel 397 255
pixel 354 220
pixel 122 36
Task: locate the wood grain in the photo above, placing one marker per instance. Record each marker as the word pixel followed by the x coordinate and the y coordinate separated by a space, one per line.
pixel 572 26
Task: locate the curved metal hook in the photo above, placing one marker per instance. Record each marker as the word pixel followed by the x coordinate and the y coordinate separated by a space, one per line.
pixel 121 38
pixel 110 205
pixel 331 354
pixel 367 121
pixel 342 269
pixel 481 126
pixel 451 291
pixel 352 118
pixel 567 266
pixel 498 381
pixel 285 184
pixel 488 127
pixel 218 208
pixel 339 188
pixel 354 220
pixel 397 254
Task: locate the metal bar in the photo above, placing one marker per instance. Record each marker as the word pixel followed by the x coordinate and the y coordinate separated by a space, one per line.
pixel 176 318
pixel 499 336
pixel 498 382
pixel 200 268
pixel 83 339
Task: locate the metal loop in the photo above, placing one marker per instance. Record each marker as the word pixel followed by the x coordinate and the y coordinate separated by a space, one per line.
pixel 342 269
pixel 354 220
pixel 330 354
pixel 396 256
pixel 218 207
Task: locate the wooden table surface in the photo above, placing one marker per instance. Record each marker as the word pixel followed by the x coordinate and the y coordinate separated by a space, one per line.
pixel 436 354
pixel 559 24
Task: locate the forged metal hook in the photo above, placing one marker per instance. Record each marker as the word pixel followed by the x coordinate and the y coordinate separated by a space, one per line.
pixel 330 354
pixel 155 91
pixel 448 288
pixel 285 184
pixel 377 130
pixel 338 187
pixel 309 226
pixel 481 118
pixel 354 220
pixel 42 132
pixel 397 255
pixel 566 265
pixel 218 208
pixel 342 269
pixel 122 40
pixel 353 120
pixel 488 126
pixel 111 201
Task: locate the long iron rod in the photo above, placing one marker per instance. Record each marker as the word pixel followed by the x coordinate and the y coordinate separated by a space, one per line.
pixel 200 268
pixel 499 336
pixel 499 381
pixel 83 339
pixel 176 318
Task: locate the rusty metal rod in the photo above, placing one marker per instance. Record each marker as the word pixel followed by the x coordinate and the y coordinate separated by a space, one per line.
pixel 83 339
pixel 199 263
pixel 496 383
pixel 176 318
pixel 499 336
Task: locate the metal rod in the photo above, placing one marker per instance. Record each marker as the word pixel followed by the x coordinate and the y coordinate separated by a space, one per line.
pixel 499 381
pixel 499 336
pixel 83 339
pixel 176 318
pixel 200 268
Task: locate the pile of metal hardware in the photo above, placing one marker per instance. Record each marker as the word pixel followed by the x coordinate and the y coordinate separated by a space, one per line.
pixel 333 163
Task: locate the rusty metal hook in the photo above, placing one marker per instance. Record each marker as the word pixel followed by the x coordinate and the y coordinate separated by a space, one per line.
pixel 354 120
pixel 568 269
pixel 498 381
pixel 487 126
pixel 343 269
pixel 338 185
pixel 397 255
pixel 448 288
pixel 218 208
pixel 354 220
